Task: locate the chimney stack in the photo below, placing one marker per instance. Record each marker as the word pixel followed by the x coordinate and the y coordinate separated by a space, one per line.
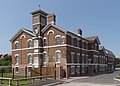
pixel 79 32
pixel 51 18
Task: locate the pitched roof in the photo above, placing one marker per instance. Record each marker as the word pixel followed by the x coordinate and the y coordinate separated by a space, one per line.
pixel 92 38
pixel 57 27
pixel 101 47
pixel 39 11
pixel 20 31
pixel 109 52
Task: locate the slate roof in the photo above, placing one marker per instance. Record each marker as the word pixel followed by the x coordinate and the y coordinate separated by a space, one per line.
pixel 109 52
pixel 39 11
pixel 92 38
pixel 20 31
pixel 101 47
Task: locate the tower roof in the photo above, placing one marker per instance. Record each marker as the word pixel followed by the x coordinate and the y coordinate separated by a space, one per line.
pixel 39 11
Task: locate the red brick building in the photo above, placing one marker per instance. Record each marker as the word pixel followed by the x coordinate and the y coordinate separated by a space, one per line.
pixel 49 44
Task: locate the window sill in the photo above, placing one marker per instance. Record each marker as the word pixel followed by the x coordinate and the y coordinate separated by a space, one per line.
pixel 17 72
pixel 57 62
pixel 17 64
pixel 30 63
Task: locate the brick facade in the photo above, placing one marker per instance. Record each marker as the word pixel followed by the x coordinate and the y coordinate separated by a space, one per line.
pixel 52 45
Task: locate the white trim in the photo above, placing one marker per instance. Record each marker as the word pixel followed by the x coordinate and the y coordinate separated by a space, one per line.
pixel 22 36
pixel 36 23
pixel 57 51
pixel 16 42
pixel 16 55
pixel 29 40
pixel 16 66
pixel 27 48
pixel 44 52
pixel 37 37
pixel 78 64
pixel 57 36
pixel 37 53
pixel 29 66
pixel 63 36
pixel 78 53
pixel 50 31
pixel 29 54
pixel 53 46
pixel 44 38
pixel 73 53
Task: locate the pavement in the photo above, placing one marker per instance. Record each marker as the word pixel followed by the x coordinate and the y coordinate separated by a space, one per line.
pixel 99 80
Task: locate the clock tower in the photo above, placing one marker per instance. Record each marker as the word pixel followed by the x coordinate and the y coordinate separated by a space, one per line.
pixel 39 20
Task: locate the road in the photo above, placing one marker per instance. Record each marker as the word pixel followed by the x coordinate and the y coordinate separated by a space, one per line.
pixel 99 80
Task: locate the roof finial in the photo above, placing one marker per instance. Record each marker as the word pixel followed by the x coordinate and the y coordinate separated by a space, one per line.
pixel 39 6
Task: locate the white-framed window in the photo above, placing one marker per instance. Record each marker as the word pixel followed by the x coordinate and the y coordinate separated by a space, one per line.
pixel 72 57
pixel 16 45
pixel 29 43
pixel 58 40
pixel 95 46
pixel 44 41
pixel 44 57
pixel 78 57
pixel 50 31
pixel 78 43
pixel 16 59
pixel 29 69
pixel 58 56
pixel 63 39
pixel 72 69
pixel 78 70
pixel 35 43
pixel 83 56
pixel 17 69
pixel 29 58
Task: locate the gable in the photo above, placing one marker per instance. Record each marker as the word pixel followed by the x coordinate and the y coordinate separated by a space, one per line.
pixel 21 31
pixel 55 26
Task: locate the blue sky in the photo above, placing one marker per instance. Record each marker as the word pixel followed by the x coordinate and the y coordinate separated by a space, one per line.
pixel 94 17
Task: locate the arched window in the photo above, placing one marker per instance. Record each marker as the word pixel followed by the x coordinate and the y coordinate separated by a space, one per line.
pixel 29 59
pixel 44 57
pixel 58 56
pixel 29 43
pixel 58 39
pixel 44 41
pixel 16 59
pixel 16 45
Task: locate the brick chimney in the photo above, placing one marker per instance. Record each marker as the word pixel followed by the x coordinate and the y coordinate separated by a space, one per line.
pixel 51 18
pixel 79 32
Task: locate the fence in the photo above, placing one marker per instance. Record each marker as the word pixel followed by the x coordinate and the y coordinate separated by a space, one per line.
pixel 32 79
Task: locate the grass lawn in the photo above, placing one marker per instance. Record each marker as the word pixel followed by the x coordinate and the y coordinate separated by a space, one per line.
pixel 9 75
